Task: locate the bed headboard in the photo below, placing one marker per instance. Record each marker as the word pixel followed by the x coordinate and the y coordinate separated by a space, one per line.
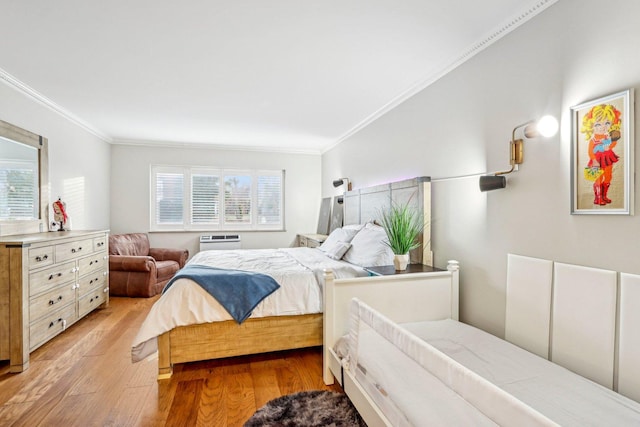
pixel 585 319
pixel 365 204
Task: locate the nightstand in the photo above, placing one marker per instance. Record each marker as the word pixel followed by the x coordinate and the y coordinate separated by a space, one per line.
pixel 311 240
pixel 390 270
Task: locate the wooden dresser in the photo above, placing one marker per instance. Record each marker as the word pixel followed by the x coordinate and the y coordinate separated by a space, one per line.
pixel 48 281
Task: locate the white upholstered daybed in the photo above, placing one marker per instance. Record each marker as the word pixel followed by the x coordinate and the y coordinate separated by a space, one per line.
pixel 421 369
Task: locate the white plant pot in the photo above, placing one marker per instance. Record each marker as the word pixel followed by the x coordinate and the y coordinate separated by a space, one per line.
pixel 400 262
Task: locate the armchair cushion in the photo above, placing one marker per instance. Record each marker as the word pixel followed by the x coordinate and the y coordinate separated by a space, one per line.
pixel 135 244
pixel 136 269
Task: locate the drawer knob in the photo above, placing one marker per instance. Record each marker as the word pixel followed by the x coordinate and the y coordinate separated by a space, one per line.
pixel 74 250
pixel 100 244
pixel 56 321
pixel 54 275
pixel 51 302
pixel 42 258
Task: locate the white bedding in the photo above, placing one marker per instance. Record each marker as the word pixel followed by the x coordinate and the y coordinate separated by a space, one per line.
pixel 297 270
pixel 561 395
pixel 420 371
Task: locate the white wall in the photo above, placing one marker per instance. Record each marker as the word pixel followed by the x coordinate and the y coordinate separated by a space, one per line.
pixel 575 51
pixel 130 169
pixel 79 161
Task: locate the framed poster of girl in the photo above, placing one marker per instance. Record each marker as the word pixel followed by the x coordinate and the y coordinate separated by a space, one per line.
pixel 602 155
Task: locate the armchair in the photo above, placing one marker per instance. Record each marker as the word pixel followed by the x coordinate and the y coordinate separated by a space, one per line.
pixel 137 270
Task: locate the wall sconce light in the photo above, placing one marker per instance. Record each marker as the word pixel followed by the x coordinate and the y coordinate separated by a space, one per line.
pixel 338 182
pixel 492 182
pixel 547 126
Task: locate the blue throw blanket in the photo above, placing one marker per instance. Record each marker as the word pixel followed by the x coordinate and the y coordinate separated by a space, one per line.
pixel 239 292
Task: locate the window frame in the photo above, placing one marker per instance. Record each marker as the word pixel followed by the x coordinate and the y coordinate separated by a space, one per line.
pixel 187 224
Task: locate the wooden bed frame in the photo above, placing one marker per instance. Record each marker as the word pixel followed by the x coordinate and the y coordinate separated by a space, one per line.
pixel 260 335
pixel 225 339
pixel 582 318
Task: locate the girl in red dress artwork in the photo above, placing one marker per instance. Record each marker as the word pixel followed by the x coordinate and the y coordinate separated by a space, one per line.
pixel 601 127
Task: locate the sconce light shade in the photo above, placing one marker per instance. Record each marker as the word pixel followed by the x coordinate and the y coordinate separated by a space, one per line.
pixel 492 182
pixel 338 182
pixel 547 127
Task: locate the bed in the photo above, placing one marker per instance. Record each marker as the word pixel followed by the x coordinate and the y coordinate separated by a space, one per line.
pixel 186 324
pixel 569 356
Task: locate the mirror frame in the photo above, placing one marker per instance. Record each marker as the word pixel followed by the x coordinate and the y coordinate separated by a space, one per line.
pixel 23 136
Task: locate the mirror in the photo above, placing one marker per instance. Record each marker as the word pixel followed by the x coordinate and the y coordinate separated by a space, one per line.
pixel 24 181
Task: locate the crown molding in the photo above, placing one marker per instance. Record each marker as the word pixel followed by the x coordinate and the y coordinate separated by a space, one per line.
pixel 432 78
pixel 214 146
pixel 28 91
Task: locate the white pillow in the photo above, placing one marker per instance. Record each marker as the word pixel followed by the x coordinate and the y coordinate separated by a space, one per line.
pixel 368 247
pixel 337 250
pixel 344 234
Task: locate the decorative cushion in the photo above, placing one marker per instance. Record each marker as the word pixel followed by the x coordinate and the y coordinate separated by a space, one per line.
pixel 337 250
pixel 369 248
pixel 344 234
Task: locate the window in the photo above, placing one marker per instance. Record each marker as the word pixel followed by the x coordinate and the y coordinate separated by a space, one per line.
pixel 19 190
pixel 196 198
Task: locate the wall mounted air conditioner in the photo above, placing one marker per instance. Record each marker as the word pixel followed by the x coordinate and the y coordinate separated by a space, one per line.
pixel 214 242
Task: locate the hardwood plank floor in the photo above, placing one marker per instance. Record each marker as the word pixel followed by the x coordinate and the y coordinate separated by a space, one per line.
pixel 84 377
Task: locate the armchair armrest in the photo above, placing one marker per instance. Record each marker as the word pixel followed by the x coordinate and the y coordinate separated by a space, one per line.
pixel 168 254
pixel 132 263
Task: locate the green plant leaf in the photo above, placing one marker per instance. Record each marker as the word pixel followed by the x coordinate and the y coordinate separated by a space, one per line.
pixel 403 225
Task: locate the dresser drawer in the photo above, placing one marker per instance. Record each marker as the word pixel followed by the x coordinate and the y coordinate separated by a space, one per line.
pixel 92 300
pixel 51 325
pixel 100 243
pixel 73 250
pixel 98 261
pixel 51 301
pixel 47 279
pixel 40 257
pixel 91 281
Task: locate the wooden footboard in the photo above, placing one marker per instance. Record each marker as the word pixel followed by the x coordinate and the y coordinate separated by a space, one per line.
pixel 226 339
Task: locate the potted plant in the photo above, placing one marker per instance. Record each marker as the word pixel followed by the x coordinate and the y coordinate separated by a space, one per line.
pixel 403 226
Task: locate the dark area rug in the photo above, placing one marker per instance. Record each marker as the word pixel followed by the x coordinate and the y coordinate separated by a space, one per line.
pixel 309 409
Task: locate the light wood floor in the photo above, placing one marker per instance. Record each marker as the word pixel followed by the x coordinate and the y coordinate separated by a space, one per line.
pixel 84 377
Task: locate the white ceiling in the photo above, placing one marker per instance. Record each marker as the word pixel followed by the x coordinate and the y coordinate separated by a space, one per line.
pixel 286 75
